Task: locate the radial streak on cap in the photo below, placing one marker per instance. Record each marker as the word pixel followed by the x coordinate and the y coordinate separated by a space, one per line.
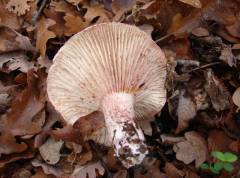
pixel 114 68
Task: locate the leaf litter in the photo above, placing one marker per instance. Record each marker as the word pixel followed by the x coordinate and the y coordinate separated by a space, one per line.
pixel 200 39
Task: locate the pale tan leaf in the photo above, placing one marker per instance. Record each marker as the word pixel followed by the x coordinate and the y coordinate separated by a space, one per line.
pixel 50 151
pixel 88 170
pixel 75 2
pixel 194 3
pixel 236 97
pixel 186 110
pixel 194 148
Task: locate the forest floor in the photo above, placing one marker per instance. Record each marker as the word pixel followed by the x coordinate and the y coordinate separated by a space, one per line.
pixel 197 133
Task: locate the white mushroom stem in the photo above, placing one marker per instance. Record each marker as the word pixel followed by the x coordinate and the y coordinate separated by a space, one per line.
pixel 127 138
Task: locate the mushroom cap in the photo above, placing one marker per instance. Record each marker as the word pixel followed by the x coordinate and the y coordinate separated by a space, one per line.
pixel 104 59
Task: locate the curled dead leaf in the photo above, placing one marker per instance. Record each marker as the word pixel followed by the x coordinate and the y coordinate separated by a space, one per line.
pixel 236 97
pixel 44 34
pixel 194 148
pixel 186 110
pixel 50 151
pixel 194 3
pixel 88 170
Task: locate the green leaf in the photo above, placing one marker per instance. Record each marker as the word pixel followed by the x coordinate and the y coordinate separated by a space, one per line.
pixel 214 170
pixel 230 157
pixel 228 167
pixel 204 166
pixel 218 166
pixel 219 155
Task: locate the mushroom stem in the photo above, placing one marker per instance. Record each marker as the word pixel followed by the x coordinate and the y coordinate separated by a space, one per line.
pixel 126 137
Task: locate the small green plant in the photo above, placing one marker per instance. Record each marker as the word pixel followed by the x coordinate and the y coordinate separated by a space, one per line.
pixel 224 161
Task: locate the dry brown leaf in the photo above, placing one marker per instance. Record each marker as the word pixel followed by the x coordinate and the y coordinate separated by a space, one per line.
pixel 217 91
pixel 44 34
pixel 8 144
pixel 9 19
pixel 96 11
pixel 47 169
pixel 57 28
pixel 20 120
pixel 172 171
pixel 75 2
pixel 73 24
pixel 18 7
pixel 218 140
pixel 88 170
pixel 85 157
pixel 12 40
pixel 50 151
pixel 200 32
pixel 41 174
pixel 194 3
pixel 236 97
pixel 194 148
pixel 228 57
pixel 121 174
pixel 15 61
pixel 186 110
pixel 169 139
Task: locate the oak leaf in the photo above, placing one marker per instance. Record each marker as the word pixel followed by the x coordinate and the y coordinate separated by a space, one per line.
pixel 73 24
pixel 194 148
pixel 18 7
pixel 44 34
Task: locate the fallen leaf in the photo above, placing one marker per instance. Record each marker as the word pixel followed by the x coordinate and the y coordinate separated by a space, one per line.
pixel 194 3
pixel 75 2
pixel 43 34
pixel 186 110
pixel 170 139
pixel 18 7
pixel 97 13
pixel 11 40
pixel 236 97
pixel 15 61
pixel 9 19
pixel 88 170
pixel 172 171
pixel 50 151
pixel 120 174
pixel 40 174
pixel 217 91
pixel 200 32
pixel 194 148
pixel 73 24
pixel 48 169
pixel 8 144
pixel 20 119
pixel 228 57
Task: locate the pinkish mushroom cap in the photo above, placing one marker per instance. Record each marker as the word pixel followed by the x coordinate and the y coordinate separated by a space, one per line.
pixel 114 68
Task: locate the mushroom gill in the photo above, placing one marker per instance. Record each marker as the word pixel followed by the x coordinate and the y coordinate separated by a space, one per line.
pixel 114 68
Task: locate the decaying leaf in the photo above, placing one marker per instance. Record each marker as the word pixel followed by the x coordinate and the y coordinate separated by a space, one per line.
pixel 75 2
pixel 194 148
pixel 8 144
pixel 15 61
pixel 228 57
pixel 194 3
pixel 48 169
pixel 217 91
pixel 236 97
pixel 88 170
pixel 20 119
pixel 11 40
pixel 50 151
pixel 186 110
pixel 73 24
pixel 44 34
pixel 18 7
pixel 172 171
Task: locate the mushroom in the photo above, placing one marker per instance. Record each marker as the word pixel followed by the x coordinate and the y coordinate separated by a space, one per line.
pixel 114 68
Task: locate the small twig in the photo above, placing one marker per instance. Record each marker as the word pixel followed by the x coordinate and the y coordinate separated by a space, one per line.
pixel 163 38
pixel 204 66
pixel 35 17
pixel 100 157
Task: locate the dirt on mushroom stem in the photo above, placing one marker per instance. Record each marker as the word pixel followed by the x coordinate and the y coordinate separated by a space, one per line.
pixel 127 139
